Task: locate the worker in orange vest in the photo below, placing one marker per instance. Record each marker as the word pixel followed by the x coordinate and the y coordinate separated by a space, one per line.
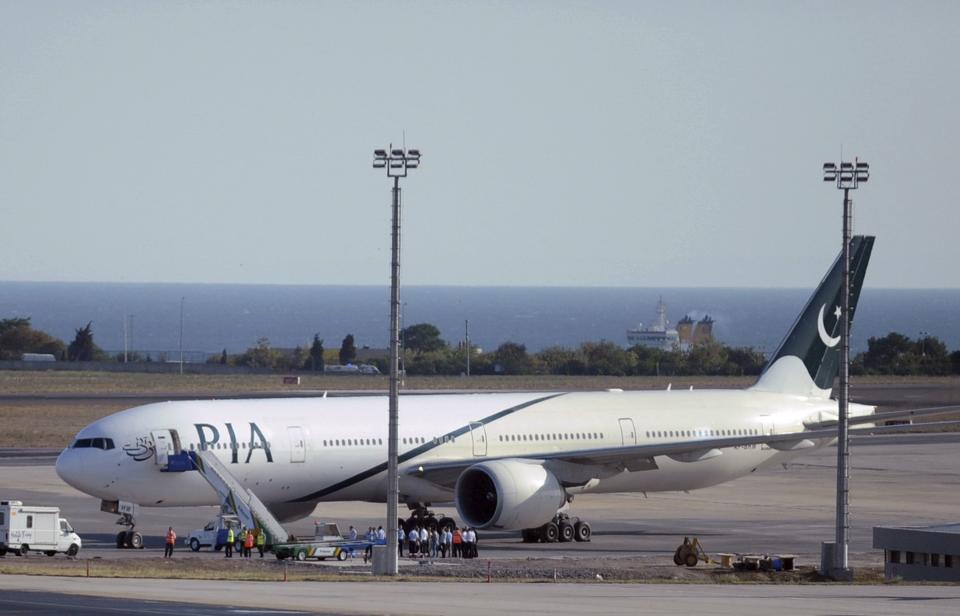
pixel 171 539
pixel 248 544
pixel 457 543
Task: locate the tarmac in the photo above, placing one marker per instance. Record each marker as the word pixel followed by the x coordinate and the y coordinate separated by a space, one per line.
pixel 895 480
pixel 465 599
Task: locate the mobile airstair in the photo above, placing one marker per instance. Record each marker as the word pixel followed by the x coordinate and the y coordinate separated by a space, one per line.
pixel 233 496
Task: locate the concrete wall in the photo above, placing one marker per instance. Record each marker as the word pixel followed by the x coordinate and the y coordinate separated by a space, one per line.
pixel 918 572
pixel 923 546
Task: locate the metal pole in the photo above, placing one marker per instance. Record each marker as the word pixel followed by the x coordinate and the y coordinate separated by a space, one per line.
pixel 393 483
pixel 396 162
pixel 841 562
pixel 181 335
pixel 466 326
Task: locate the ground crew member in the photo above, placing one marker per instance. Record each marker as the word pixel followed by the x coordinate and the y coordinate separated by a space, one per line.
pixel 171 540
pixel 248 544
pixel 261 541
pixel 424 541
pixel 414 538
pixel 228 548
pixel 457 543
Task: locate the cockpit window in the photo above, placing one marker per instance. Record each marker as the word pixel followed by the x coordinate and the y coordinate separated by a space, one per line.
pixel 97 443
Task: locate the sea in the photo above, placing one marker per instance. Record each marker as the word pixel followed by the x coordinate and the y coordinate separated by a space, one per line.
pixel 234 317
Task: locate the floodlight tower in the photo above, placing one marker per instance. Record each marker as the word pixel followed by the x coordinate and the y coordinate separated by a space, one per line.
pixel 397 161
pixel 848 176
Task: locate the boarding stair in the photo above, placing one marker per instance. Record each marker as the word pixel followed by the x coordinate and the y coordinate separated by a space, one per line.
pixel 233 496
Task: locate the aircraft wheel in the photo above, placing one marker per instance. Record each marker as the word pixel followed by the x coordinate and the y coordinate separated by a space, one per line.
pixel 135 540
pixel 582 531
pixel 73 550
pixel 677 558
pixel 566 532
pixel 550 532
pixel 195 544
pixel 122 539
pixel 447 523
pixel 690 560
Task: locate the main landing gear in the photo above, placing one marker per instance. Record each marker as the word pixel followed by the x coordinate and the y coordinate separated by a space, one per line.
pixel 423 517
pixel 562 528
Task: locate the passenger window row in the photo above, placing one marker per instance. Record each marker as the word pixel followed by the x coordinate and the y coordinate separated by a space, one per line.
pixel 702 432
pixel 352 442
pixel 207 446
pixel 363 442
pixel 565 436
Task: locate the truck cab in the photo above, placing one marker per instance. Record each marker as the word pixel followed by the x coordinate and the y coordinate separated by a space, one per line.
pixel 214 534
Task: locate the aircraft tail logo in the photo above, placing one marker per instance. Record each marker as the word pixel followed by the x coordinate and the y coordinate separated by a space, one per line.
pixel 808 359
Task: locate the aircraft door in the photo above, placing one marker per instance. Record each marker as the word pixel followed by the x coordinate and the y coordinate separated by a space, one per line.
pixel 165 443
pixel 479 435
pixel 298 445
pixel 628 432
pixel 766 428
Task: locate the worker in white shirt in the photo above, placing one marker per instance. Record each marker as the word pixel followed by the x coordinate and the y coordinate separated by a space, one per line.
pixel 424 541
pixel 414 538
pixel 471 541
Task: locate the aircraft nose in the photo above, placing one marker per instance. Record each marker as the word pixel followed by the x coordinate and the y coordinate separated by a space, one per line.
pixel 70 468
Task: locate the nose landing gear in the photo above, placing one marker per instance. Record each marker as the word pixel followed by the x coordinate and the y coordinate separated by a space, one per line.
pixel 126 539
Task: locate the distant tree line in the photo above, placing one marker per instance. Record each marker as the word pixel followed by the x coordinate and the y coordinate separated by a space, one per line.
pixel 17 336
pixel 426 353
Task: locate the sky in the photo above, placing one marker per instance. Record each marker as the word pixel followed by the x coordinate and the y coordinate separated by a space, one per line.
pixel 638 144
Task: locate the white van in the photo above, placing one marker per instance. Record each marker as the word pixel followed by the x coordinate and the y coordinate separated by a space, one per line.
pixel 35 529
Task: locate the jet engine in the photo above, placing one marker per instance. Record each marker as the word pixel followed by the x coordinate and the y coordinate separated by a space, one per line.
pixel 509 494
pixel 290 512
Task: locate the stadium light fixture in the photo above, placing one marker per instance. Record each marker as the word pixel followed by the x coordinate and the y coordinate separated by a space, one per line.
pixel 847 176
pixel 397 164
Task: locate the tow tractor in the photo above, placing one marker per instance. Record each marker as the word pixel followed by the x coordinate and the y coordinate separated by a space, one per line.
pixel 690 553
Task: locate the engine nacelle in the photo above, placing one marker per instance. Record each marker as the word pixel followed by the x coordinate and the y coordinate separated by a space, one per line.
pixel 509 494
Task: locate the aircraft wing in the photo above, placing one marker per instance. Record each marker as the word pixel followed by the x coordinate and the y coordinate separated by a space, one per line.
pixel 578 467
pixel 888 415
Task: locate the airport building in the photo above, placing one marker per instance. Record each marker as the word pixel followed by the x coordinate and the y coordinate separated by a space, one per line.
pixel 929 553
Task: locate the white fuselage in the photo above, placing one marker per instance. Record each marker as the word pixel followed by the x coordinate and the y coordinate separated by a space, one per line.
pixel 307 450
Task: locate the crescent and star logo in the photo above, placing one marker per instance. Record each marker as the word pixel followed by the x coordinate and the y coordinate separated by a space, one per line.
pixel 822 330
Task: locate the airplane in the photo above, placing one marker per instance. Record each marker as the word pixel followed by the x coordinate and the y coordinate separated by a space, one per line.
pixel 510 461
